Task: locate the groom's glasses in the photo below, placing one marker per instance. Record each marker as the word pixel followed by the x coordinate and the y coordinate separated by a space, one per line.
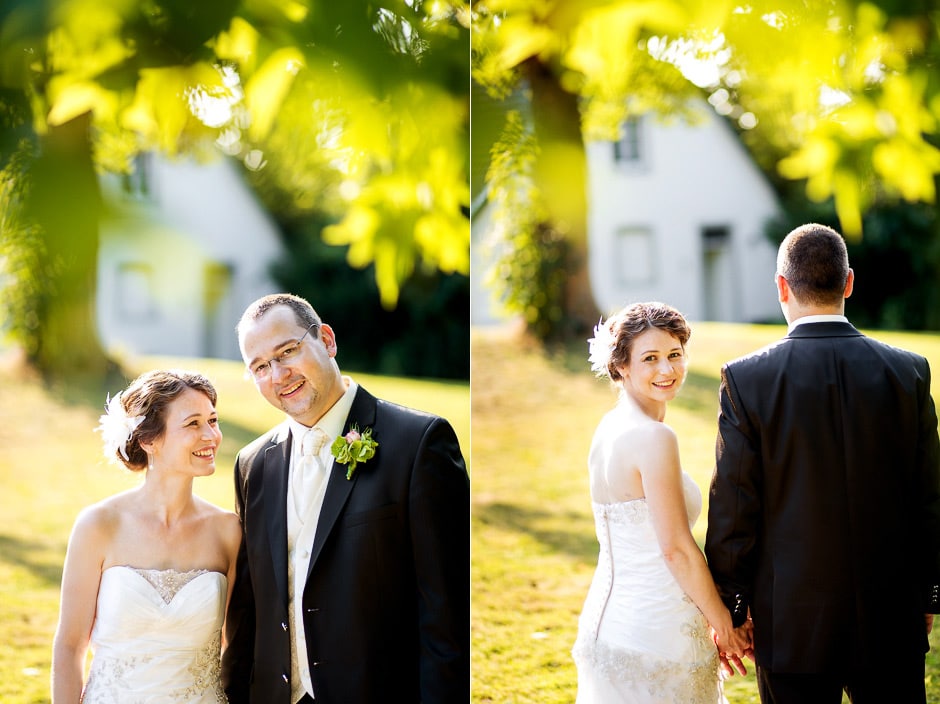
pixel 262 370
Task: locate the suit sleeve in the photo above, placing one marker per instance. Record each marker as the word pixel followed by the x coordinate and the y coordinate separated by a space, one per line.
pixel 238 656
pixel 440 531
pixel 734 503
pixel 928 457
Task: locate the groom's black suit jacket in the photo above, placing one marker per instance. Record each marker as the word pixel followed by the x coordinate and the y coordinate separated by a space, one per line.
pixel 386 605
pixel 824 512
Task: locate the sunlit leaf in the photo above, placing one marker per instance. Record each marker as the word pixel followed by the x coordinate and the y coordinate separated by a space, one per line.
pixel 816 156
pixel 239 44
pixel 74 99
pixel 87 39
pixel 358 226
pixel 274 10
pixel 908 169
pixel 266 89
pixel 848 200
pixel 161 111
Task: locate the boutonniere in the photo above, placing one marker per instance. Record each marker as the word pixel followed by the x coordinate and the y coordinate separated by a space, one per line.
pixel 353 447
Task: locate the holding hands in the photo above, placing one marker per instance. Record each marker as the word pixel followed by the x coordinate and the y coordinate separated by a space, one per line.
pixel 733 645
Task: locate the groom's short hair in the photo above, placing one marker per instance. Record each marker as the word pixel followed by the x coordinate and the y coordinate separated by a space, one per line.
pixel 815 262
pixel 303 311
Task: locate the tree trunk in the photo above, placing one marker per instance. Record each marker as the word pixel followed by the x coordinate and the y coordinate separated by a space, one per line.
pixel 65 202
pixel 561 174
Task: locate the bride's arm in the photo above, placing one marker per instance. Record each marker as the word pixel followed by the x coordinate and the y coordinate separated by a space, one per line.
pixel 662 484
pixel 80 579
pixel 232 538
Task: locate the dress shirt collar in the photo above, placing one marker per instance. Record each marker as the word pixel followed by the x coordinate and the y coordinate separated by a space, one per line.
pixel 817 319
pixel 332 421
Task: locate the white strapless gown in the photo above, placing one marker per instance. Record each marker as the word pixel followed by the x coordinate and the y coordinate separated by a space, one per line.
pixel 157 638
pixel 640 638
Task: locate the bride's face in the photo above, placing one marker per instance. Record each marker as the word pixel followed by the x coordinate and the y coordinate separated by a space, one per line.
pixel 191 437
pixel 657 366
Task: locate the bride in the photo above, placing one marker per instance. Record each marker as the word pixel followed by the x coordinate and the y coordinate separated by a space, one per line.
pixel 652 618
pixel 147 571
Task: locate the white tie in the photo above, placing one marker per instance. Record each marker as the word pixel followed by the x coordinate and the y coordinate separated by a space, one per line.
pixel 310 471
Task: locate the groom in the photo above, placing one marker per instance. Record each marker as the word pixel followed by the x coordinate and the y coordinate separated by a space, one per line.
pixel 353 580
pixel 824 514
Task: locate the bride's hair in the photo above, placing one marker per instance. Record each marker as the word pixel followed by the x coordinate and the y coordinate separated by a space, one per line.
pixel 613 338
pixel 149 395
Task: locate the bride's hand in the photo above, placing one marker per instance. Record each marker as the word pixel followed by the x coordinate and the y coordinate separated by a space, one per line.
pixel 727 664
pixel 735 641
pixel 735 645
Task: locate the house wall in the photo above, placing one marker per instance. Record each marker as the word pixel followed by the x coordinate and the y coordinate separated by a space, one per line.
pixel 180 259
pixel 647 221
pixel 486 308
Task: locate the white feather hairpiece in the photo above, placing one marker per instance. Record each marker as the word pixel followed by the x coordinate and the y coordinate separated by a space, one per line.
pixel 601 347
pixel 116 427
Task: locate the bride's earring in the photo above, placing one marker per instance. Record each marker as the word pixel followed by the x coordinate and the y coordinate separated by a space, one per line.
pixel 150 461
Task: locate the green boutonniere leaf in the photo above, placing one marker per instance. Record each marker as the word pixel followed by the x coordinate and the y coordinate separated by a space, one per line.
pixel 354 448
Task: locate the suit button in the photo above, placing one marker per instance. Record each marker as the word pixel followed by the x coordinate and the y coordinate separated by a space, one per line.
pixel 283 625
pixel 286 680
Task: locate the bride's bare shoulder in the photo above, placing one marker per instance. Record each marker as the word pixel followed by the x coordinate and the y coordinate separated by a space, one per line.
pixel 225 522
pixel 99 522
pixel 618 430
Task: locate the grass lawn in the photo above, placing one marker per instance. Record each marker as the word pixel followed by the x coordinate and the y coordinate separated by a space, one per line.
pixel 51 466
pixel 533 545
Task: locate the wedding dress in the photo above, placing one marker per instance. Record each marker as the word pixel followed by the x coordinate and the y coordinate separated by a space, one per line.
pixel 640 638
pixel 157 637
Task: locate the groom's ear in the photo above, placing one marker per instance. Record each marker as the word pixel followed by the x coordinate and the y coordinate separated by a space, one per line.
pixel 328 337
pixel 783 288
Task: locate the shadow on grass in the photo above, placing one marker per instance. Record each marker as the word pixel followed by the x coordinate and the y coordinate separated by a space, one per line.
pixel 29 555
pixel 539 524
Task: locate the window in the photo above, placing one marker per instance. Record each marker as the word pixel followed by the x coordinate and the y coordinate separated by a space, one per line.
pixel 135 291
pixel 715 239
pixel 138 183
pixel 629 149
pixel 633 256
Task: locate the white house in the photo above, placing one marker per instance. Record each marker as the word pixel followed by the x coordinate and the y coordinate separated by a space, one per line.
pixel 184 249
pixel 676 213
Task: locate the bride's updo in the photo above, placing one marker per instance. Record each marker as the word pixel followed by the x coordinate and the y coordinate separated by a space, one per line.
pixel 613 338
pixel 138 414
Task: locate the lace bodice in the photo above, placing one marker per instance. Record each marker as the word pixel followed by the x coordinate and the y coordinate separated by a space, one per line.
pixel 157 637
pixel 640 638
pixel 168 582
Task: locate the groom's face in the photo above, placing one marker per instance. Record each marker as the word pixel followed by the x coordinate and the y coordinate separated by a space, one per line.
pixel 308 382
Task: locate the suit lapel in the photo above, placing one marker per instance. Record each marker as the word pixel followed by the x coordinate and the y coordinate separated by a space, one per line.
pixel 362 415
pixel 276 463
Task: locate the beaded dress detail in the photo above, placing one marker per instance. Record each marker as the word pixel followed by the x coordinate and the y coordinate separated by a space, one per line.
pixel 157 637
pixel 640 638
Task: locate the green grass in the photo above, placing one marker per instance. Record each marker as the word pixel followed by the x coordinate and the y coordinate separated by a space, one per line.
pixel 51 466
pixel 533 545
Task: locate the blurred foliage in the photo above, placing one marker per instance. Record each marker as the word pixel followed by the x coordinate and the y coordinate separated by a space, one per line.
pixel 840 97
pixel 846 93
pixel 426 335
pixel 531 262
pixel 361 107
pixel 23 253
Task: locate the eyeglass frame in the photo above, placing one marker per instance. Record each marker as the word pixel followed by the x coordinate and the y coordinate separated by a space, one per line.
pixel 279 357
